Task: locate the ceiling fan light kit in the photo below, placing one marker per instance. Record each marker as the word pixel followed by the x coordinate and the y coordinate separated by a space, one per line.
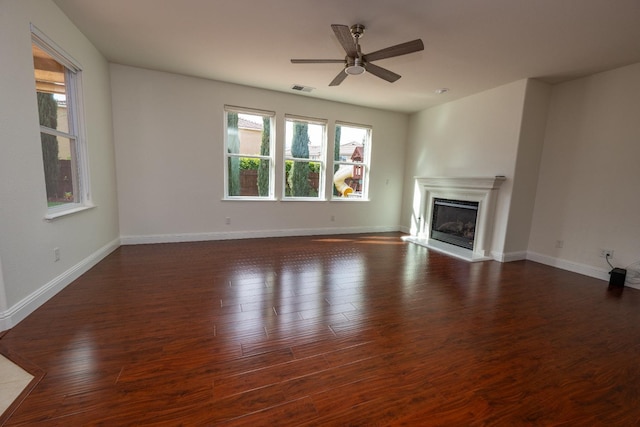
pixel 355 67
pixel 355 63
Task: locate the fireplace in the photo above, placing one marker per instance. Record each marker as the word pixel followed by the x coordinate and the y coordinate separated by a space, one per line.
pixel 455 215
pixel 454 222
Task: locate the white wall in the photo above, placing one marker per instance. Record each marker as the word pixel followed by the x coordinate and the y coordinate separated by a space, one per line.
pixel 170 165
pixel 525 178
pixel 476 136
pixel 590 176
pixel 30 274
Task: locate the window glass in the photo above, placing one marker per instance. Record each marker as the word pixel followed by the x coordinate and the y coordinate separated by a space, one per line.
pixel 249 147
pixel 305 142
pixel 62 149
pixel 351 161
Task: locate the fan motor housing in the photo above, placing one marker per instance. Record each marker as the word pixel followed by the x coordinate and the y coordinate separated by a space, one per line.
pixel 357 30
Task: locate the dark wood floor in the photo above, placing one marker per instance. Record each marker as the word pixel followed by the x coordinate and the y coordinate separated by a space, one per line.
pixel 341 330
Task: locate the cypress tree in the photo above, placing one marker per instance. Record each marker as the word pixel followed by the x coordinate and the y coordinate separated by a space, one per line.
pixel 263 170
pixel 299 176
pixel 233 146
pixel 48 112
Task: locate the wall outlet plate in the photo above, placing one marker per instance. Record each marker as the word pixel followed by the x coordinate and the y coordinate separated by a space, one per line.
pixel 606 253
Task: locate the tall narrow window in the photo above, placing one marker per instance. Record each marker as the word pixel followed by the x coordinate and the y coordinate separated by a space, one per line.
pixel 305 142
pixel 63 149
pixel 351 161
pixel 249 153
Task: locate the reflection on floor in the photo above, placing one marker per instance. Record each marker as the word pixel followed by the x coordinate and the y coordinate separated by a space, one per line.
pixel 13 379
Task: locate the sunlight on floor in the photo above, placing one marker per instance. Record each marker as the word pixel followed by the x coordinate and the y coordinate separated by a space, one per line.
pixel 13 379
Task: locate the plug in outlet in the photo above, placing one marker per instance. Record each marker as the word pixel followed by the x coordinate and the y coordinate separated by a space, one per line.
pixel 606 253
pixel 56 254
pixel 227 220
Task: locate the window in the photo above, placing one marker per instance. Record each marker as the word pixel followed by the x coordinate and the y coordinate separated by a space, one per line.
pixel 57 78
pixel 249 159
pixel 305 142
pixel 351 161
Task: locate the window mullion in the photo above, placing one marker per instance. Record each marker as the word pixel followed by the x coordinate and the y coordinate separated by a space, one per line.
pixel 48 130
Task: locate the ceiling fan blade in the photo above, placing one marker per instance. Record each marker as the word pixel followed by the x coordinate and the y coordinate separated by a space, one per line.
pixel 317 61
pixel 383 73
pixel 338 79
pixel 397 50
pixel 343 33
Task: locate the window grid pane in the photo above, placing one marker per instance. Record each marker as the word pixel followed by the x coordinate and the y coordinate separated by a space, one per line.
pixel 351 157
pixel 305 143
pixel 58 136
pixel 248 151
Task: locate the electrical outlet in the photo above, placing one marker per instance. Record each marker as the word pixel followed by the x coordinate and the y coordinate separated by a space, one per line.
pixel 606 253
pixel 333 218
pixel 227 220
pixel 56 254
pixel 559 244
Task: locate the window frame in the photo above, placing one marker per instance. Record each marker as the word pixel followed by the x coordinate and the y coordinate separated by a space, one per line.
pixel 365 164
pixel 76 133
pixel 271 157
pixel 322 159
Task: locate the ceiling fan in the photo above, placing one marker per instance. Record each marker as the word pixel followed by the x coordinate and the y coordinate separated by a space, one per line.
pixel 355 62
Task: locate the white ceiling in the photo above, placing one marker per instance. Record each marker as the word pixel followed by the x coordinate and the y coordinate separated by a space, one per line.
pixel 470 45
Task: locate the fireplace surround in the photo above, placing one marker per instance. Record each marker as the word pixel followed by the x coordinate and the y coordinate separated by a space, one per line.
pixel 477 192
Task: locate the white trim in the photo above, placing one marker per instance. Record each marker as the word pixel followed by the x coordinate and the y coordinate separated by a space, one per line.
pixel 250 111
pixel 353 125
pixel 53 49
pixel 55 132
pixel 575 267
pixel 446 248
pixel 3 295
pixel 586 270
pixel 19 311
pixel 232 235
pixel 311 120
pixel 509 256
pixel 66 209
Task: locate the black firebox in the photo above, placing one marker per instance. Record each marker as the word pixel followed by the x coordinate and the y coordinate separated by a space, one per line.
pixel 454 222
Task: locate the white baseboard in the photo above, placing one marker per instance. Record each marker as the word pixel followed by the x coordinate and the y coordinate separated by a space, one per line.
pixel 403 229
pixel 575 267
pixel 15 314
pixel 199 237
pixel 587 270
pixel 509 256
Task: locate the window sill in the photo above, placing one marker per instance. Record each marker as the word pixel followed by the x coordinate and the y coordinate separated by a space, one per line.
pixel 249 199
pixel 349 199
pixel 55 214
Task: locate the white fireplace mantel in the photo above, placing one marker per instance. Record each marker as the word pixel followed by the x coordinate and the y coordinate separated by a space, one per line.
pixel 482 190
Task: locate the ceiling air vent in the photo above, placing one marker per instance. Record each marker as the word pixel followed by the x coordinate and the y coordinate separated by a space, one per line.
pixel 301 88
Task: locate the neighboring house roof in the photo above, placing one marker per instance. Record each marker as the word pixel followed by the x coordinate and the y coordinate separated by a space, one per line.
pixel 248 124
pixel 349 149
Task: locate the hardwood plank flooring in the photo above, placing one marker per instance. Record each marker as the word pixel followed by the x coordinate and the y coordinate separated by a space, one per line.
pixel 328 330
